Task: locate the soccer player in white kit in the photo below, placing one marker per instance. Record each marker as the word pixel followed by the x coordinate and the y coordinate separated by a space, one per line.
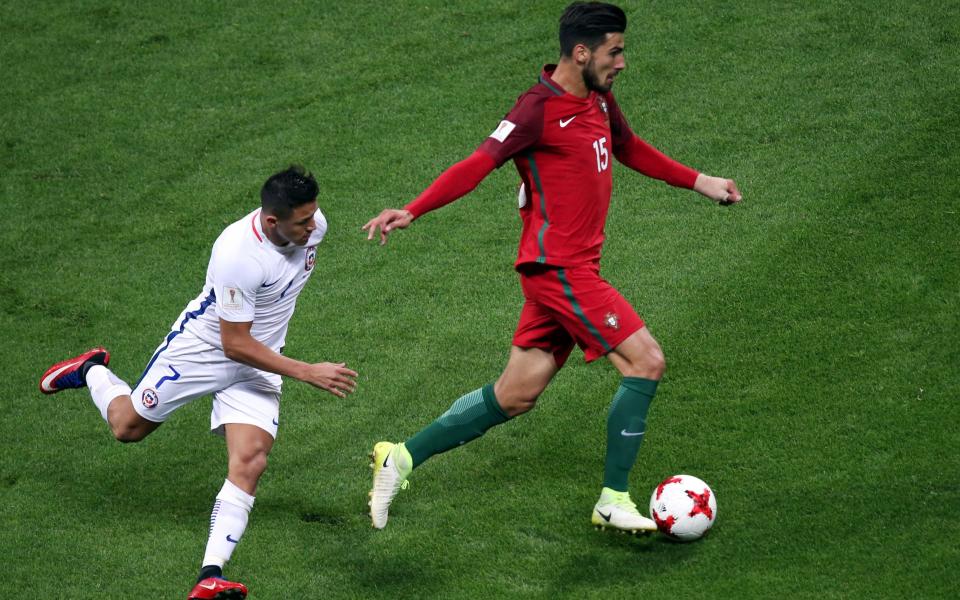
pixel 228 342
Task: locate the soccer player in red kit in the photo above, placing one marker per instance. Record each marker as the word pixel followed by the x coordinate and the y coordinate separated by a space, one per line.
pixel 562 135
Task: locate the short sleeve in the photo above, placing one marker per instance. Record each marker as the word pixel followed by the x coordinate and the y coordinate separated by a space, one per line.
pixel 519 130
pixel 236 279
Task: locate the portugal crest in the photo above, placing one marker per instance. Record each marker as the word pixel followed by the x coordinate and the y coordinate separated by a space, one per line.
pixel 612 320
pixel 311 258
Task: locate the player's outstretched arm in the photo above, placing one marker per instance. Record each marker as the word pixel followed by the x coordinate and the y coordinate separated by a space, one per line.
pixel 388 220
pixel 718 189
pixel 644 158
pixel 456 182
pixel 240 346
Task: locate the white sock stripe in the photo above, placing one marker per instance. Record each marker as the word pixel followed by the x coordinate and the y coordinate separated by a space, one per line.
pixel 213 515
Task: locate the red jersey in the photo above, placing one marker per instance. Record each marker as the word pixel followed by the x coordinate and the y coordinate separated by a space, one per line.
pixel 562 147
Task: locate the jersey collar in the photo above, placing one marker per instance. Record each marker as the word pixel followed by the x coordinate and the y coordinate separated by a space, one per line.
pixel 257 227
pixel 262 238
pixel 546 78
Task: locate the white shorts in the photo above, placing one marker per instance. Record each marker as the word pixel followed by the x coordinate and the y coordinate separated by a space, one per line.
pixel 184 368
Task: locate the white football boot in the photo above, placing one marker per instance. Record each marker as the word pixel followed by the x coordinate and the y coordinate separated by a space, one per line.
pixel 616 510
pixel 389 477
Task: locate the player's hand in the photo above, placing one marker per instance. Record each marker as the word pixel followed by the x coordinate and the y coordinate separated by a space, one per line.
pixel 335 378
pixel 387 221
pixel 718 189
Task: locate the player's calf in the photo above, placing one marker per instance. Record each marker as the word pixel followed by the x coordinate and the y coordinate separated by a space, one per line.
pixel 248 448
pixel 126 423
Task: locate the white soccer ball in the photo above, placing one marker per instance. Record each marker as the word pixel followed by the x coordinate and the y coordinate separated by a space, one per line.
pixel 683 507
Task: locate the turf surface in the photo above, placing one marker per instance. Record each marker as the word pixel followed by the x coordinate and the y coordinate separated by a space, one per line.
pixel 811 333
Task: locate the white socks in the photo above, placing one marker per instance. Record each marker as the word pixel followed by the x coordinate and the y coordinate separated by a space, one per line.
pixel 104 387
pixel 232 507
pixel 227 523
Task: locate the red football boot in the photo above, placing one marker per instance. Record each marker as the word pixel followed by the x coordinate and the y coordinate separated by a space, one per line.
pixel 215 588
pixel 66 374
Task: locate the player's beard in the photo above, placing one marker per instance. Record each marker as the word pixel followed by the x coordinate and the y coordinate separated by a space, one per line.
pixel 592 81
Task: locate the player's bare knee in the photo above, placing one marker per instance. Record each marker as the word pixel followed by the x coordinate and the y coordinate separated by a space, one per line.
pixel 650 365
pixel 657 364
pixel 518 404
pixel 248 466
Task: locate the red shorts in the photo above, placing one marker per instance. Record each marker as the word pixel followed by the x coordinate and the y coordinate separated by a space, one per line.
pixel 570 305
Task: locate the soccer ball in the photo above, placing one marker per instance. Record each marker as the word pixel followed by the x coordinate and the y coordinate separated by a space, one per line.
pixel 683 507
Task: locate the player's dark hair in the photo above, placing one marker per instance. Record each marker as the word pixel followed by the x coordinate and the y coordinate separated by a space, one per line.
pixel 588 23
pixel 287 190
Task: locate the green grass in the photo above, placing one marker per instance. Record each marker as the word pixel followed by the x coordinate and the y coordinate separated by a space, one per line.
pixel 811 333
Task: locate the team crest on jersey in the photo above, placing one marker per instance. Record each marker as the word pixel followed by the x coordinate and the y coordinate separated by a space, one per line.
pixel 150 398
pixel 311 258
pixel 612 320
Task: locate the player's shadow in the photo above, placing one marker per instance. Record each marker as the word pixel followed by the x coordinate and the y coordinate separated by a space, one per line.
pixel 650 557
pixel 179 467
pixel 338 535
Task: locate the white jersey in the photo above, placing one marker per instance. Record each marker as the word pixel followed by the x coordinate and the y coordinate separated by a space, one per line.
pixel 251 279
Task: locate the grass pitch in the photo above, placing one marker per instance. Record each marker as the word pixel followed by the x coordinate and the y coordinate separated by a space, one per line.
pixel 811 333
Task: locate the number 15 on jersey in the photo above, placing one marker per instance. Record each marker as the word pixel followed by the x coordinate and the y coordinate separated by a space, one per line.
pixel 603 156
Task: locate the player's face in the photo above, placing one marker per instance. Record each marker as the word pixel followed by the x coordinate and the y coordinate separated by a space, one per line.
pixel 298 227
pixel 605 64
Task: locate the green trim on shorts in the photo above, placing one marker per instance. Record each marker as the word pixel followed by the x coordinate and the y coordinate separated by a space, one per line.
pixel 561 273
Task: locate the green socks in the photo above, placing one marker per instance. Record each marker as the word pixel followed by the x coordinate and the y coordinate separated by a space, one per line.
pixel 474 413
pixel 469 418
pixel 626 424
